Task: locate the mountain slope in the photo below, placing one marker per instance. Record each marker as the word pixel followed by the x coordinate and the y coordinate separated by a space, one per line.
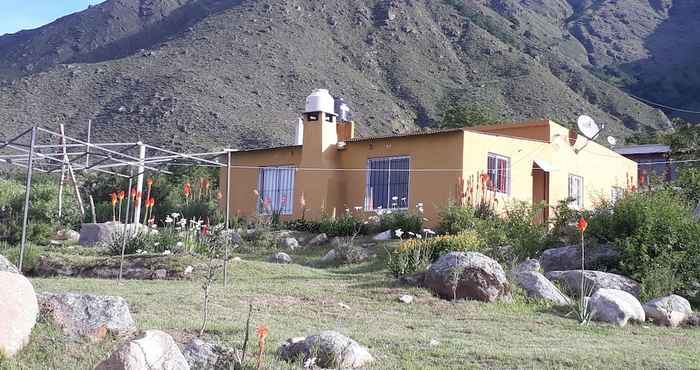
pixel 208 74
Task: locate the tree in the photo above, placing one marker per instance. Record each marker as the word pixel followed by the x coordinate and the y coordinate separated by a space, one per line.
pixel 466 115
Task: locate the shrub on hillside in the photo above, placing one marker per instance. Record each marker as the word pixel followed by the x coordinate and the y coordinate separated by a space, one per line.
pixel 405 221
pixel 658 238
pixel 416 254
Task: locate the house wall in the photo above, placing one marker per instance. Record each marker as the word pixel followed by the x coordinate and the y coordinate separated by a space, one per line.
pixel 441 152
pixel 245 180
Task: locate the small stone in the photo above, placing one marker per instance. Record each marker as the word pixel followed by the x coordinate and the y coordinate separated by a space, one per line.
pixel 160 274
pixel 288 243
pixel 406 298
pixel 383 236
pixel 281 258
pixel 319 239
pixel 188 270
pixel 200 354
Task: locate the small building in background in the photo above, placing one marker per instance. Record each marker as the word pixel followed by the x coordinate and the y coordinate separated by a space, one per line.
pixel 653 160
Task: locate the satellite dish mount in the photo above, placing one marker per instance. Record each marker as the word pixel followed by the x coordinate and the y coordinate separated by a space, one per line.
pixel 590 131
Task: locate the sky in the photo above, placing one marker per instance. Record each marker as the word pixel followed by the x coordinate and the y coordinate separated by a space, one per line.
pixel 16 15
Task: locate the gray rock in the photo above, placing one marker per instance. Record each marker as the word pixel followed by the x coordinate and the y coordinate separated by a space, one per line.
pixel 328 350
pixel 280 257
pixel 476 275
pixel 406 298
pixel 234 236
pixel 18 312
pixel 319 239
pixel 339 242
pixel 85 315
pixel 593 280
pixel 200 354
pixel 154 350
pixel 694 320
pixel 615 306
pixel 68 235
pixel 160 274
pixel 672 310
pixel 329 257
pixel 569 258
pixel 537 286
pixel 288 243
pixel 7 266
pixel 91 234
pixel 528 265
pixel 383 236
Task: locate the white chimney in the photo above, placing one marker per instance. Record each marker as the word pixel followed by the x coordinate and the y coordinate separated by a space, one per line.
pixel 299 133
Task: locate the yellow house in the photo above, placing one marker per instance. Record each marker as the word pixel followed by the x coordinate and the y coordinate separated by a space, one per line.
pixel 330 170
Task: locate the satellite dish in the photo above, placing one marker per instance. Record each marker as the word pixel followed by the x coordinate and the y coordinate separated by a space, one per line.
pixel 588 127
pixel 612 141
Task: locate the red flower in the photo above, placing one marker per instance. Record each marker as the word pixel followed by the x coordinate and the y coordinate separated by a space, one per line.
pixel 133 194
pixel 114 198
pixel 122 194
pixel 187 189
pixel 205 184
pixel 582 225
pixel 150 202
pixel 205 230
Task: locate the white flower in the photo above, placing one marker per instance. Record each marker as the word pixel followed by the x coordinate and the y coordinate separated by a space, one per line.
pixel 347 210
pixel 154 226
pixel 167 253
pixel 138 251
pixel 403 199
pixel 358 208
pixel 394 198
pixel 428 231
pixel 156 244
pixel 394 204
pixel 179 244
pixel 399 233
pixel 420 209
pixel 411 233
pixel 188 270
pixel 419 205
pixel 168 220
pixel 419 236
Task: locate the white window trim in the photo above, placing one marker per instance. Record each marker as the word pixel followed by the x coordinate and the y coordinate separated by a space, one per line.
pixel 290 201
pixel 509 173
pixel 368 205
pixel 579 203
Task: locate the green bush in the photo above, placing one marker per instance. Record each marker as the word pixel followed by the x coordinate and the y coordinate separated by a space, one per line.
pixel 32 253
pixel 416 254
pixel 455 219
pixel 304 225
pixel 346 225
pixel 658 238
pixel 405 221
pixel 689 183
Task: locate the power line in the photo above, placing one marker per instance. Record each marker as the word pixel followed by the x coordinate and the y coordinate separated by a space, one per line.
pixel 662 105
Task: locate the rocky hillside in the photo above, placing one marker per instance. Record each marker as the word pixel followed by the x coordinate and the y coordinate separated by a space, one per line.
pixel 214 73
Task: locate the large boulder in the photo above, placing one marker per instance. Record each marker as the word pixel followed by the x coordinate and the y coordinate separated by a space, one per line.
pixel 154 350
pixel 18 312
pixel 615 306
pixel 672 310
pixel 536 286
pixel 280 257
pixel 7 266
pixel 201 355
pixel 85 315
pixel 569 258
pixel 328 350
pixel 91 234
pixel 319 239
pixel 528 265
pixel 288 243
pixel 593 280
pixel 469 275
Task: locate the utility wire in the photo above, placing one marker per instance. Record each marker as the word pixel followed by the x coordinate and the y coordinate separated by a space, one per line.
pixel 662 105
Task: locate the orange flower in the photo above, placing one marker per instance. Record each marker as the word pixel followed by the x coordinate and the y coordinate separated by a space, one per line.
pixel 152 202
pixel 122 194
pixel 302 201
pixel 114 199
pixel 149 182
pixel 262 331
pixel 205 184
pixel 582 225
pixel 133 194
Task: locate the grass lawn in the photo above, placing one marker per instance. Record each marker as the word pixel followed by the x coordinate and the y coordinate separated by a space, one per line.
pixel 294 300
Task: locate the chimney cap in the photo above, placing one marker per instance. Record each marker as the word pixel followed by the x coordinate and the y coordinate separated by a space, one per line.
pixel 320 100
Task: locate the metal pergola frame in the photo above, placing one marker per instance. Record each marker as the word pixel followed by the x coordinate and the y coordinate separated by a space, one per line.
pixel 71 155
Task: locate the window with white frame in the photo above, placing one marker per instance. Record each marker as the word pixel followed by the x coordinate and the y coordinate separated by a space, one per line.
pixel 387 183
pixel 576 192
pixel 276 189
pixel 498 170
pixel 616 193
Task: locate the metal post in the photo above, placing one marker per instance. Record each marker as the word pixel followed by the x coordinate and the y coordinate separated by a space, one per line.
pixel 228 213
pixel 139 181
pixel 126 226
pixel 27 195
pixel 71 173
pixel 87 147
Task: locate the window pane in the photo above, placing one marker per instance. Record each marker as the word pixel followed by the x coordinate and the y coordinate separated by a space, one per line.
pixel 497 169
pixel 387 178
pixel 276 187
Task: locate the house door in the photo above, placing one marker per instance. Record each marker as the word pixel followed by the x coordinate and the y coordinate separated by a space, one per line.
pixel 540 192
